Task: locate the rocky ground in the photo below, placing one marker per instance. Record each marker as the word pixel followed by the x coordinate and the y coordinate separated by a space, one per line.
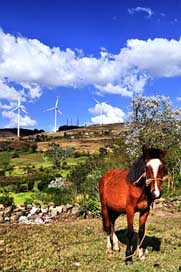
pixel 46 214
pixel 30 214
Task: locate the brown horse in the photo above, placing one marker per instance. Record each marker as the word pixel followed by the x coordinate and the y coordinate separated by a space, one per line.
pixel 128 192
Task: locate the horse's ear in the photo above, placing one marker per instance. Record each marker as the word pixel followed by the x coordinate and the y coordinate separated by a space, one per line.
pixel 145 152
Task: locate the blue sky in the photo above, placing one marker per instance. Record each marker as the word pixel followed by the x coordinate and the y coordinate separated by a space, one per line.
pixel 86 50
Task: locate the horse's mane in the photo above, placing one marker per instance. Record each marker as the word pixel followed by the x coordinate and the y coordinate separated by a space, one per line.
pixel 136 170
pixel 138 167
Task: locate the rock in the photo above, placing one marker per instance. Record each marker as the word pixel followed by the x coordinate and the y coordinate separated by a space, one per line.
pixel 39 221
pixel 34 210
pixel 47 220
pixel 53 212
pixel 15 216
pixel 6 218
pixel 8 211
pixel 68 206
pixel 19 209
pixel 28 215
pixel 1 207
pixel 29 206
pixel 60 209
pixel 44 210
pixel 23 220
pixel 51 204
pixel 33 217
pixel 57 183
pixel 76 210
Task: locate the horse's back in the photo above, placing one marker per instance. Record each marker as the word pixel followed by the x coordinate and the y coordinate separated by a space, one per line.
pixel 113 189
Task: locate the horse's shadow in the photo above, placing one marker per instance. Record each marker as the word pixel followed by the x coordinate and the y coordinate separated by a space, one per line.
pixel 151 242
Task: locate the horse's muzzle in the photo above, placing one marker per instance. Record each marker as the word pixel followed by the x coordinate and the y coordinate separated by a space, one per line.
pixel 155 194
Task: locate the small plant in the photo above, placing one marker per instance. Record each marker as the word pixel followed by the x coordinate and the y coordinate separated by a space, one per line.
pixel 6 200
pixel 90 206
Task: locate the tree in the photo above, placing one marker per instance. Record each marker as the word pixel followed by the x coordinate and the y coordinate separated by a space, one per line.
pixel 153 122
pixel 5 158
pixel 57 154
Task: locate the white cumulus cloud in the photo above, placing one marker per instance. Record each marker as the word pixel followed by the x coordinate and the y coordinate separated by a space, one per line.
pixel 25 120
pixel 148 11
pixel 27 66
pixel 34 65
pixel 106 114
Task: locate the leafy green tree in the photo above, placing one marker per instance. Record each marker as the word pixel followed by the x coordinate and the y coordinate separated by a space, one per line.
pixel 5 158
pixel 57 153
pixel 153 122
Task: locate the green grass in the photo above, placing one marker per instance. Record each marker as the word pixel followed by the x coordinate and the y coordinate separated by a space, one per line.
pixel 36 159
pixel 20 198
pixel 81 246
pixel 75 161
pixel 19 165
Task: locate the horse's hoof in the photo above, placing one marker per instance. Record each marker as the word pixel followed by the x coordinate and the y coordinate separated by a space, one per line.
pixel 117 249
pixel 128 262
pixel 142 258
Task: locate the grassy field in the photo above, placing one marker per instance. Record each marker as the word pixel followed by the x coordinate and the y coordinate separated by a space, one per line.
pixel 80 245
pixel 37 160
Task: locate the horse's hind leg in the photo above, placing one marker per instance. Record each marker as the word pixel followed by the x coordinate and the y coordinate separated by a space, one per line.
pixel 107 227
pixel 115 241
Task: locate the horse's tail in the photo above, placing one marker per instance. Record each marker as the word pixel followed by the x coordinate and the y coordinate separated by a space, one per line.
pixel 104 209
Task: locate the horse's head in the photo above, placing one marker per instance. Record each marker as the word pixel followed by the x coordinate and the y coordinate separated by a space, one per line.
pixel 154 169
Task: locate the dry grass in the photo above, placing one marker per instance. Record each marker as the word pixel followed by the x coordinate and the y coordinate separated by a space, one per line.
pixel 81 246
pixel 90 145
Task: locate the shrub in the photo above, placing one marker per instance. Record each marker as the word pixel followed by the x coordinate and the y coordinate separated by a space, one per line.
pixel 15 155
pixel 90 206
pixel 10 188
pixel 6 200
pixel 23 187
pixel 31 185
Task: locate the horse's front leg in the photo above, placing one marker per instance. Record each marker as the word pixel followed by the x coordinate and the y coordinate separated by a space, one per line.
pixel 129 248
pixel 141 233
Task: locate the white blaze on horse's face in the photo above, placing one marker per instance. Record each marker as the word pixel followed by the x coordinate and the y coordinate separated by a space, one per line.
pixel 154 166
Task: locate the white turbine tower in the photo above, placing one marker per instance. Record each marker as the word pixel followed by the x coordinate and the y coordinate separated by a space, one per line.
pixel 55 109
pixel 19 108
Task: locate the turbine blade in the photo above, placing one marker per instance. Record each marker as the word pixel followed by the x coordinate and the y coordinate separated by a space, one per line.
pixel 23 110
pixel 49 109
pixel 14 109
pixel 60 112
pixel 56 104
pixel 97 101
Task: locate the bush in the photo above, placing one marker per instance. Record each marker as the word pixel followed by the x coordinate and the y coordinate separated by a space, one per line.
pixel 90 206
pixel 31 185
pixel 10 188
pixel 23 188
pixel 6 200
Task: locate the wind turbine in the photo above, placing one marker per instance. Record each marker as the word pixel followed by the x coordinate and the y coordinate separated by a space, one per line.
pixel 19 108
pixel 55 109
